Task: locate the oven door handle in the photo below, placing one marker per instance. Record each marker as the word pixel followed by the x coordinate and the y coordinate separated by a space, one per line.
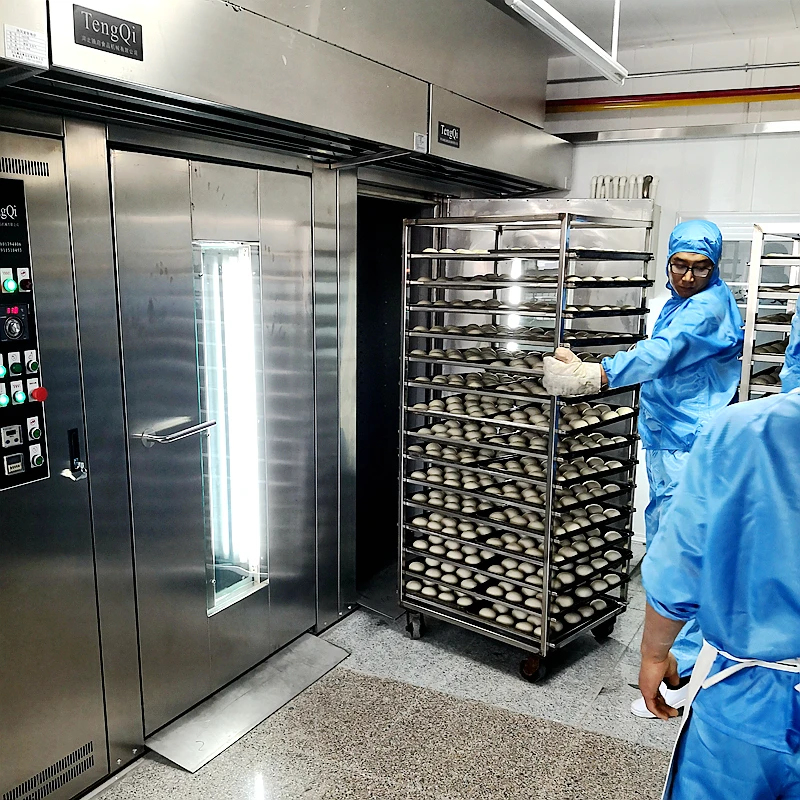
pixel 149 438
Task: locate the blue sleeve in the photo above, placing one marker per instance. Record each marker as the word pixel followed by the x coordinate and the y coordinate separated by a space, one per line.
pixel 672 568
pixel 693 335
pixel 790 374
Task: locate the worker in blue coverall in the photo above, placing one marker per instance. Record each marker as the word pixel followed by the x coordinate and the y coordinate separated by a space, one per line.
pixel 688 370
pixel 728 555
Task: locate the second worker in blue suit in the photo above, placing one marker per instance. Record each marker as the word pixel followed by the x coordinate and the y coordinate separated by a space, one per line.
pixel 688 370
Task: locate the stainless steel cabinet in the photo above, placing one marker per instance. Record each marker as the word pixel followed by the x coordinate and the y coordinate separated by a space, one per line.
pixel 52 736
pixel 214 271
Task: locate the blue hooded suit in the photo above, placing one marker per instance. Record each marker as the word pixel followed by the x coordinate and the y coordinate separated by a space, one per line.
pixel 728 555
pixel 688 370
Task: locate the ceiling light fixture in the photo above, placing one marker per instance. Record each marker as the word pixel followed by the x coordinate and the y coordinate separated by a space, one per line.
pixel 541 14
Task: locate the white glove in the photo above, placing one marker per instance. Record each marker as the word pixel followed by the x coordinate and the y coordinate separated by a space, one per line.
pixel 566 375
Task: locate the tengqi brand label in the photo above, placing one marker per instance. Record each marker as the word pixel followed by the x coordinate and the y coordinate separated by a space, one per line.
pixel 449 135
pixel 113 35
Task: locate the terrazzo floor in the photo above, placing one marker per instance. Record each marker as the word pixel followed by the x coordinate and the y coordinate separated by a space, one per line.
pixel 444 717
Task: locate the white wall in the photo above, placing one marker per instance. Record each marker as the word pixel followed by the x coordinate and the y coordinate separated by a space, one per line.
pixel 709 67
pixel 698 178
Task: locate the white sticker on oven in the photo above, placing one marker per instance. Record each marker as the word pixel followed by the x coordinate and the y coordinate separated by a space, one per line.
pixel 26 47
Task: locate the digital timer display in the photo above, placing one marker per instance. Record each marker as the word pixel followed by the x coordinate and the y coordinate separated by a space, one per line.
pixel 12 309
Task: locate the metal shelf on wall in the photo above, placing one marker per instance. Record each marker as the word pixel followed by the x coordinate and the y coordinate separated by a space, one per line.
pixel 548 442
pixel 758 290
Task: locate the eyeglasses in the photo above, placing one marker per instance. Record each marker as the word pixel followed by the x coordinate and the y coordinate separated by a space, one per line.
pixel 698 272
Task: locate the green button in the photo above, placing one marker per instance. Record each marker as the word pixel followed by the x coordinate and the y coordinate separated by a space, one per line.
pixel 4 400
pixel 3 371
pixel 10 285
pixel 37 461
pixel 33 366
pixel 35 433
pixel 16 368
pixel 20 397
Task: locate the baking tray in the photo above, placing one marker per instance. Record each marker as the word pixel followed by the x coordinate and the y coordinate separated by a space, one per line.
pixel 488 497
pixel 529 372
pixel 574 254
pixel 418 555
pixel 561 483
pixel 541 342
pixel 459 616
pixel 495 312
pixel 623 545
pixel 530 283
pixel 482 517
pixel 563 433
pixel 527 451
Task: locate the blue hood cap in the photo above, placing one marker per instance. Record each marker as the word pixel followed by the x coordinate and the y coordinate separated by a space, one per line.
pixel 697 236
pixel 790 374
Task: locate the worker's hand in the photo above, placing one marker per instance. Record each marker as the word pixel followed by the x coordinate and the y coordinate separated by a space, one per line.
pixel 651 674
pixel 566 375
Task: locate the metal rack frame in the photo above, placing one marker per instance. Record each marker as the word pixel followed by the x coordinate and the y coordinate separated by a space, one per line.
pixel 436 284
pixel 758 290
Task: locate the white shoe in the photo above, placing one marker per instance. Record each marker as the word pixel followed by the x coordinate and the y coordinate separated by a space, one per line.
pixel 673 697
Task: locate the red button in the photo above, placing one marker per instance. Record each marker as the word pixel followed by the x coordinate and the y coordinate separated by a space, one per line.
pixel 40 394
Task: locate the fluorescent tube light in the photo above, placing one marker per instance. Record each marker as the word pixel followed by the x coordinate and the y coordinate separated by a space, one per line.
pixel 541 14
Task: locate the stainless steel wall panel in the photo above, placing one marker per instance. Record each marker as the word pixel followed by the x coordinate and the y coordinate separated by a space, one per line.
pixel 466 46
pixel 348 343
pixel 224 203
pixel 239 637
pixel 86 159
pixel 216 52
pixel 287 310
pixel 157 310
pixel 165 143
pixel 15 119
pixel 494 141
pixel 50 675
pixel 326 396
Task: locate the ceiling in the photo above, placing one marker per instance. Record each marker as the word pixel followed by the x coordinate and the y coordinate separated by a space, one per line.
pixel 649 22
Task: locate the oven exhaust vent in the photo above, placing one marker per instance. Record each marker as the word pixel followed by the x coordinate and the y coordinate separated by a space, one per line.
pixel 24 166
pixel 56 775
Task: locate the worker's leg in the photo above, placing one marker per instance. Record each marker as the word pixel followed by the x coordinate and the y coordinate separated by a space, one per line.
pixel 655 482
pixel 710 765
pixel 690 641
pixel 664 468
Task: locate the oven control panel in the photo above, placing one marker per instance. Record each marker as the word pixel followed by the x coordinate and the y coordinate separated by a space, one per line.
pixel 23 442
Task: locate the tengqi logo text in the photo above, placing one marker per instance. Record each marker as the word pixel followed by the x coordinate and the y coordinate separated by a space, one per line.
pixel 115 36
pixel 449 135
pixel 8 212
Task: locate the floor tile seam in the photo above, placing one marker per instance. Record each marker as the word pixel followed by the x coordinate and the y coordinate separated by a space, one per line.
pixel 613 666
pixel 599 685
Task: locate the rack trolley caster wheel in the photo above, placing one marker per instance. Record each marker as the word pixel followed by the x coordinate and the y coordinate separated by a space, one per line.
pixel 602 632
pixel 415 625
pixel 533 669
